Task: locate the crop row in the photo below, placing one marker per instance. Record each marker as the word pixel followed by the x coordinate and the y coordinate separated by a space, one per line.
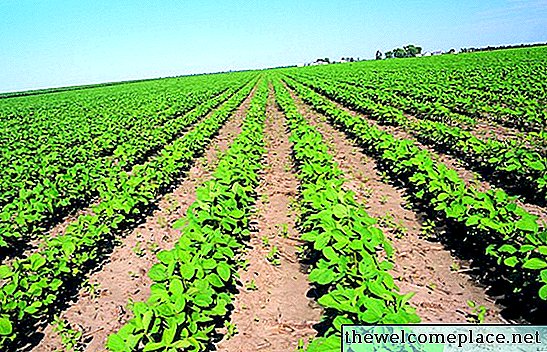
pixel 347 247
pixel 54 133
pixel 432 111
pixel 506 161
pixel 24 217
pixel 505 86
pixel 192 281
pixel 31 286
pixel 508 233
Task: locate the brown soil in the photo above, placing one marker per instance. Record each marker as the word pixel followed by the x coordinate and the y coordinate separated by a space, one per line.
pixel 427 268
pixel 277 314
pixel 469 177
pixel 99 309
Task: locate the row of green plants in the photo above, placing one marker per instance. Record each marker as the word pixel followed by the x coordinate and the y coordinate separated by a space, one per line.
pixel 432 111
pixel 43 136
pixel 28 215
pixel 506 161
pixel 510 236
pixel 194 281
pixel 31 287
pixel 506 86
pixel 350 256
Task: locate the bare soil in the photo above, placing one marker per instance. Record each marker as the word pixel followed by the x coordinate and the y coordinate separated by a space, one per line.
pixel 470 177
pixel 427 268
pixel 99 309
pixel 275 315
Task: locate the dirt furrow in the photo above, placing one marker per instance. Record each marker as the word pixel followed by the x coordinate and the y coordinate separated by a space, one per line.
pixel 272 311
pixel 99 309
pixel 422 266
pixel 470 177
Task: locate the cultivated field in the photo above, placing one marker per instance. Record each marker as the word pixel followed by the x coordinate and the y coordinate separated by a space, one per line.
pixel 262 210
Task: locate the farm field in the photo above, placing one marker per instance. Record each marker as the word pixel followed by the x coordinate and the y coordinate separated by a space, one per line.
pixel 261 210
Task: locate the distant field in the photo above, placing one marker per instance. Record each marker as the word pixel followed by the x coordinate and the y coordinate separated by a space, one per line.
pixel 236 208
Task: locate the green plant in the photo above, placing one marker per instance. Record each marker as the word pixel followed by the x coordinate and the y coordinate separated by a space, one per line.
pixel 251 285
pixel 231 330
pixel 283 230
pixel 273 256
pixel 347 245
pixel 70 338
pixel 191 281
pixel 478 313
pixel 138 250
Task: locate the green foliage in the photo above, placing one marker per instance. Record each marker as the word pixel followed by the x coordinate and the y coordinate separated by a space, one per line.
pixel 359 288
pixel 65 150
pixel 510 235
pixel 30 286
pixel 192 281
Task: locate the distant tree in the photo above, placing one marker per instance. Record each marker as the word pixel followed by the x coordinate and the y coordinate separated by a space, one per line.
pixel 452 51
pixel 399 53
pixel 389 54
pixel 378 55
pixel 412 50
pixel 327 60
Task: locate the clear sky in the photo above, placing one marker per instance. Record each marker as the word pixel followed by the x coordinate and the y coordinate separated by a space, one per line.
pixel 53 43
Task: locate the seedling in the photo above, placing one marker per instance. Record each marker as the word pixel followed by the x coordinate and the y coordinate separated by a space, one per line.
pixel 273 256
pixel 92 289
pixel 231 330
pixel 153 247
pixel 251 285
pixel 162 221
pixel 478 313
pixel 428 229
pixel 283 230
pixel 139 252
pixel 70 338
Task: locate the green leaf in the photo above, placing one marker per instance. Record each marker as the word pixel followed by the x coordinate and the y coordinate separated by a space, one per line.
pixel 527 223
pixel 544 276
pixel 176 287
pixel 507 248
pixel 116 344
pixel 5 326
pixel 223 271
pixel 472 220
pixel 330 254
pixel 36 261
pixel 153 346
pixel 340 211
pixel 214 280
pixel 322 276
pixel 68 248
pixel 166 257
pixel 511 261
pixel 543 292
pixel 169 335
pixel 535 264
pixel 158 273
pixel 5 271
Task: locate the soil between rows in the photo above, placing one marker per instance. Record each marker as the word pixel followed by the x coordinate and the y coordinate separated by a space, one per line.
pixel 277 314
pixel 421 266
pixel 99 309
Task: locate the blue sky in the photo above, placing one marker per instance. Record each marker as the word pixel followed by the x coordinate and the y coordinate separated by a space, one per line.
pixel 57 43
